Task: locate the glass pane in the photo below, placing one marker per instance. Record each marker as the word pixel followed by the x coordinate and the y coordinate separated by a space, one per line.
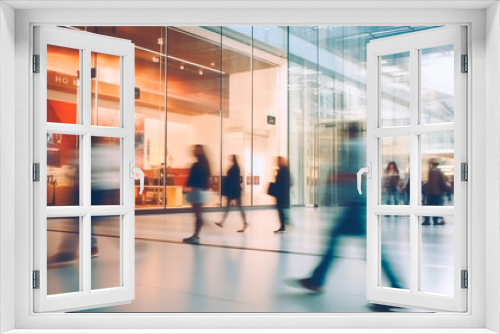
pixel 105 252
pixel 395 252
pixel 105 171
pixel 436 251
pixel 237 116
pixel 395 170
pixel 63 170
pixel 150 113
pixel 194 103
pixel 437 84
pixel 437 169
pixel 63 68
pixel 395 89
pixel 63 263
pixel 106 89
pixel 268 111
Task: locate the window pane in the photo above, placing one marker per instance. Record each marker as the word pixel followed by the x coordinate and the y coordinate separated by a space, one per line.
pixel 395 252
pixel 63 261
pixel 436 251
pixel 395 89
pixel 395 170
pixel 63 170
pixel 105 252
pixel 437 169
pixel 105 171
pixel 106 89
pixel 63 98
pixel 437 84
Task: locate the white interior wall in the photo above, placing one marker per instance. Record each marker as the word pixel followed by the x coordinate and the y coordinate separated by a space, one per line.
pixel 7 167
pixel 491 167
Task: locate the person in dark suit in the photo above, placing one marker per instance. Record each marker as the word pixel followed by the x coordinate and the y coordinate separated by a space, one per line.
pixel 231 189
pixel 198 183
pixel 282 192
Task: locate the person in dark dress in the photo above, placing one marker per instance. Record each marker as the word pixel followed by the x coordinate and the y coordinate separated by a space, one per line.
pixel 231 189
pixel 198 183
pixel 282 186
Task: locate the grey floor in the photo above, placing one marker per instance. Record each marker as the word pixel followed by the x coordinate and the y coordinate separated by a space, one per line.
pixel 244 272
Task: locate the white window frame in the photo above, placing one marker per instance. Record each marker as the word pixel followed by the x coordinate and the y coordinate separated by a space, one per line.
pixel 475 320
pixel 86 44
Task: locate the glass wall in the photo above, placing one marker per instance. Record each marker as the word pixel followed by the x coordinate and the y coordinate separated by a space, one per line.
pixel 221 87
pixel 327 96
pixel 253 92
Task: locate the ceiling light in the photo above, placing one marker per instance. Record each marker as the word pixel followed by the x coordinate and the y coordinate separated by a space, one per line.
pixel 181 67
pixel 212 64
pixel 156 60
pixel 200 72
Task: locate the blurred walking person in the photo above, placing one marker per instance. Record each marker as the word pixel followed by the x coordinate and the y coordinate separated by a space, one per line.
pixel 352 221
pixel 392 182
pixel 231 189
pixel 282 192
pixel 197 184
pixel 435 188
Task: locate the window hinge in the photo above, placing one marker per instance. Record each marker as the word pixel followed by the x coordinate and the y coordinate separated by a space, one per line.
pixel 464 171
pixel 36 172
pixel 36 279
pixel 36 63
pixel 465 279
pixel 465 64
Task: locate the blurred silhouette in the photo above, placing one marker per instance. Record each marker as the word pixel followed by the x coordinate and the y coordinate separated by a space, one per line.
pixel 231 189
pixel 405 190
pixel 391 183
pixel 434 190
pixel 197 184
pixel 105 190
pixel 282 192
pixel 352 221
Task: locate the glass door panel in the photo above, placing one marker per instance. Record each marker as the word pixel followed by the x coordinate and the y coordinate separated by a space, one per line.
pixel 416 122
pixel 395 89
pixel 84 169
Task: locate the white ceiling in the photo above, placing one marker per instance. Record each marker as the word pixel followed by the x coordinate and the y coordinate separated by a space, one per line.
pixel 242 4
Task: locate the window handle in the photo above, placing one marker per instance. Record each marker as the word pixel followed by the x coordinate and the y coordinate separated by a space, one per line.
pixel 368 171
pixel 139 171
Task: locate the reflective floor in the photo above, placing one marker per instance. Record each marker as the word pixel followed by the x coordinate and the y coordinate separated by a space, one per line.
pixel 245 272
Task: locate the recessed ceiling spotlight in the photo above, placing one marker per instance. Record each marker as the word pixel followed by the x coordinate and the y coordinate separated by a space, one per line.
pixel 200 72
pixel 156 60
pixel 212 64
pixel 181 67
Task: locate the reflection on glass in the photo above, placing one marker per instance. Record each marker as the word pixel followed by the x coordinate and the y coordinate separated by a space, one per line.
pixel 105 171
pixel 106 89
pixel 395 251
pixel 437 169
pixel 63 65
pixel 437 84
pixel 63 166
pixel 436 272
pixel 105 252
pixel 63 274
pixel 395 89
pixel 395 182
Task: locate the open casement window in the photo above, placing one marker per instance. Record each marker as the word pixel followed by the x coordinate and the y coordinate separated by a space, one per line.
pixel 83 168
pixel 416 150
